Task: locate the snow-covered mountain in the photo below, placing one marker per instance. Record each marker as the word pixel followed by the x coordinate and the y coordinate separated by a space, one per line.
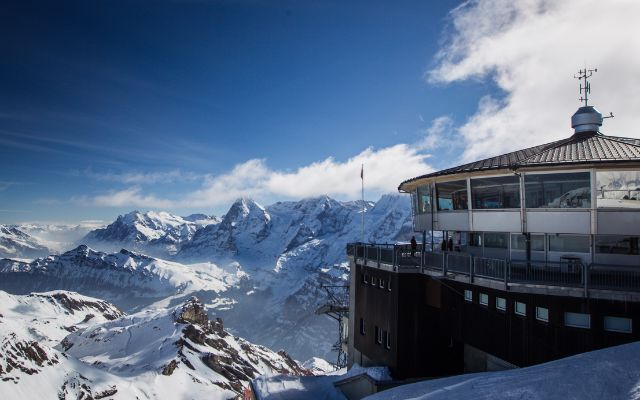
pixel 59 237
pixel 128 279
pixel 175 353
pixel 19 244
pixel 274 259
pixel 155 233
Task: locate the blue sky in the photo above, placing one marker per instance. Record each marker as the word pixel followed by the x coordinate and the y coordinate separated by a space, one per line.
pixel 112 106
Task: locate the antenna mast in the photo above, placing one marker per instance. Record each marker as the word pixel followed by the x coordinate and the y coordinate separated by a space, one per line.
pixel 585 88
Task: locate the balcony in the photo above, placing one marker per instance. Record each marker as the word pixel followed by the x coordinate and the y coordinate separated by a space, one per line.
pixel 572 277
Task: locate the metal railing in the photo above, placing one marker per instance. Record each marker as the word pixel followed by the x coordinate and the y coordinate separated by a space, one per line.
pixel 559 274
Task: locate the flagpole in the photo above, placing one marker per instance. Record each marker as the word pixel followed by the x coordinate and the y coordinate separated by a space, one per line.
pixel 363 207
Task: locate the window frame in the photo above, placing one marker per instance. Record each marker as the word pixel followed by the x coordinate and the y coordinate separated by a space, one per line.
pixel 515 308
pixel 545 205
pixel 538 317
pixel 470 297
pixel 483 302
pixel 588 326
pixel 363 326
pixel 604 324
pixel 501 308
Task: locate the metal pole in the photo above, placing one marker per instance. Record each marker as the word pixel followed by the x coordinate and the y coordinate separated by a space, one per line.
pixel 363 206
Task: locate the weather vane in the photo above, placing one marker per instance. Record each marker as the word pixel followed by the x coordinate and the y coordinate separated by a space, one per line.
pixel 585 88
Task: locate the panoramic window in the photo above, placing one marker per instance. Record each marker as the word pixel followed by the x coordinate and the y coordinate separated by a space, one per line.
pixel 496 240
pixel 618 324
pixel 519 242
pixel 618 189
pixel 424 200
pixel 520 308
pixel 577 320
pixel 564 190
pixel 569 243
pixel 542 314
pixel 475 239
pixel 452 195
pixel 617 244
pixel 498 192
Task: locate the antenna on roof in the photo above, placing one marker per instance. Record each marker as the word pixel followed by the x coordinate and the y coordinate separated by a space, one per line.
pixel 585 89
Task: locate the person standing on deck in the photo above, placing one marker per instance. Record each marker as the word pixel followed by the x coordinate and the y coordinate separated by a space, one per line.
pixel 414 246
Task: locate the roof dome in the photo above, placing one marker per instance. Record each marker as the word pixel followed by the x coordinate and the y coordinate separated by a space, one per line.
pixel 586 119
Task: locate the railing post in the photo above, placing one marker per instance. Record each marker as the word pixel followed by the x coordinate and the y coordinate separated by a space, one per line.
pixel 507 266
pixel 444 263
pixel 378 253
pixel 585 279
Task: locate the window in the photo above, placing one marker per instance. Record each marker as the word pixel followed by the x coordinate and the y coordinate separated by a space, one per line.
pixel 501 304
pixel 519 242
pixel 520 308
pixel 424 200
pixel 618 189
pixel 387 340
pixel 577 320
pixel 378 335
pixel 373 281
pixel 542 314
pixel 569 243
pixel 617 324
pixel 484 299
pixel 362 327
pixel 381 283
pixel 475 239
pixel 564 190
pixel 498 192
pixel 496 240
pixel 452 195
pixel 468 295
pixel 365 278
pixel 389 285
pixel 617 245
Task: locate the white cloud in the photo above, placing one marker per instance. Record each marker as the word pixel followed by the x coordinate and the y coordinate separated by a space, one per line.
pixel 531 49
pixel 130 197
pixel 384 169
pixel 439 134
pixel 140 178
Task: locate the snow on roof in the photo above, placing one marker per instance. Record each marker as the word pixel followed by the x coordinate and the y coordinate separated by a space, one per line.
pixel 612 373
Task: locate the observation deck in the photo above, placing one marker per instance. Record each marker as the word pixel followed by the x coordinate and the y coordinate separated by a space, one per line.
pixel 570 277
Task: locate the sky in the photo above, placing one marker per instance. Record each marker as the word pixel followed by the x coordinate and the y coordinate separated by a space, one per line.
pixel 184 106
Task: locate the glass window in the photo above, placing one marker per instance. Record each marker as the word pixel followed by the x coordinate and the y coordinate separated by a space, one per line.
pixel 388 340
pixel 468 295
pixel 519 242
pixel 378 335
pixel 475 239
pixel 569 243
pixel 618 324
pixel 414 203
pixel 424 200
pixel 501 304
pixel 617 245
pixel 498 192
pixel 389 285
pixel 618 189
pixel 365 278
pixel 452 195
pixel 496 240
pixel 484 299
pixel 362 326
pixel 542 314
pixel 577 320
pixel 567 190
pixel 381 283
pixel 520 308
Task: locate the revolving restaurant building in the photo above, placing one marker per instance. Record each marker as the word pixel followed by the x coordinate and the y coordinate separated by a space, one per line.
pixel 539 259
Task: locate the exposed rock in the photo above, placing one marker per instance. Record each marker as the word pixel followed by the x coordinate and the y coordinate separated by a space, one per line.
pixel 169 368
pixel 193 312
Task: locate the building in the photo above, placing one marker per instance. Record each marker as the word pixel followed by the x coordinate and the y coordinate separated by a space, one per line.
pixel 540 260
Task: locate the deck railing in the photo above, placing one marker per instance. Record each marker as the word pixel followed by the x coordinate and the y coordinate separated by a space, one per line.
pixel 560 274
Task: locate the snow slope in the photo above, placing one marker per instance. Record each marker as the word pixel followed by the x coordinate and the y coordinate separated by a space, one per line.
pixel 175 353
pixel 612 373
